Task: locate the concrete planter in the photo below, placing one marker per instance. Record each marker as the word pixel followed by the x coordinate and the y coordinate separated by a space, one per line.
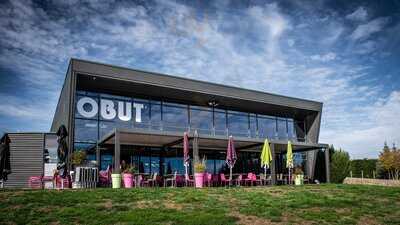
pixel 299 179
pixel 116 180
pixel 199 179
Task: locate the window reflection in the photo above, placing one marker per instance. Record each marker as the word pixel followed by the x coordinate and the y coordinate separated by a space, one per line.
pixel 220 122
pixel 238 124
pixel 85 130
pixel 201 119
pixel 266 127
pixel 175 117
pixel 282 129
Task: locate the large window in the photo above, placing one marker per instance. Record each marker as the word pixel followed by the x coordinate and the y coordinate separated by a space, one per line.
pixel 175 117
pixel 220 122
pixel 282 129
pixel 238 124
pixel 201 119
pixel 96 115
pixel 267 127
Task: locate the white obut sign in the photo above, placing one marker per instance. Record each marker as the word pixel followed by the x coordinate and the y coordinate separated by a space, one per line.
pixel 108 110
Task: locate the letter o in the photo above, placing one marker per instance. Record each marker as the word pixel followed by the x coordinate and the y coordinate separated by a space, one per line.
pixel 82 111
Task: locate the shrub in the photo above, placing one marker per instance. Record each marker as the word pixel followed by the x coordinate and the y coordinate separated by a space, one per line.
pixel 78 157
pixel 340 166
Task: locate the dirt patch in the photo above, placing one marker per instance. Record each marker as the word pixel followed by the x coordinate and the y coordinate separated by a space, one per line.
pixel 254 220
pixel 143 204
pixel 246 219
pixel 107 204
pixel 367 220
pixel 173 205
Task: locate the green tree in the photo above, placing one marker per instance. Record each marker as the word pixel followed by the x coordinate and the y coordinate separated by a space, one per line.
pixel 340 166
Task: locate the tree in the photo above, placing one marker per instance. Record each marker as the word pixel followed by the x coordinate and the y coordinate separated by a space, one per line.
pixel 389 159
pixel 340 166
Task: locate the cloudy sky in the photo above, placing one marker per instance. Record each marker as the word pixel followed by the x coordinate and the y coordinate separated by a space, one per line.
pixel 343 53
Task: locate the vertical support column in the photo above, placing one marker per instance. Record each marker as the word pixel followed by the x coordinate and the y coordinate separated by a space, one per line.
pixel 117 151
pixel 273 166
pixel 195 144
pixel 98 160
pixel 327 166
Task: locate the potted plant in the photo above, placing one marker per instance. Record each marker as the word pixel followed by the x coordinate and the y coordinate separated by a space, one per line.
pixel 298 176
pixel 78 158
pixel 199 169
pixel 128 175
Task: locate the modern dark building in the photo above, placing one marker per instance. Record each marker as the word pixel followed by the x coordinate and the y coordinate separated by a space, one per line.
pixel 117 114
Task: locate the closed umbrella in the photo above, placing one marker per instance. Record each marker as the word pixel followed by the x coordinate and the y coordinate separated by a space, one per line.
pixel 266 157
pixel 289 158
pixel 5 166
pixel 62 151
pixel 186 157
pixel 230 156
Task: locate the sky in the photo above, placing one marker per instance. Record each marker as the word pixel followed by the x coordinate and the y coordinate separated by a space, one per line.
pixel 345 54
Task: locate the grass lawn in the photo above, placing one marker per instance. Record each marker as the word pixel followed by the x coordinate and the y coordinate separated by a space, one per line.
pixel 310 204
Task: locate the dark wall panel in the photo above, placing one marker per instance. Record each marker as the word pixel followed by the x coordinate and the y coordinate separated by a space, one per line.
pixel 26 156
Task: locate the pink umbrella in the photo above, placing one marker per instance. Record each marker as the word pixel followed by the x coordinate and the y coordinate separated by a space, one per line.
pixel 186 157
pixel 230 156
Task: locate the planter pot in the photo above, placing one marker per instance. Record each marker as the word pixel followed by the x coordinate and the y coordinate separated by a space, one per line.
pixel 128 180
pixel 116 180
pixel 199 179
pixel 299 180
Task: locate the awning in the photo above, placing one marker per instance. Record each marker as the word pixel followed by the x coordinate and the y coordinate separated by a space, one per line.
pixel 144 137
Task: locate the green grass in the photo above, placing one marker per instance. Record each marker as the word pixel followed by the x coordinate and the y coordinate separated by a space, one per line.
pixel 310 204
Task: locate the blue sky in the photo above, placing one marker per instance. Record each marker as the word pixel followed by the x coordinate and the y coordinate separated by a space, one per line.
pixel 343 53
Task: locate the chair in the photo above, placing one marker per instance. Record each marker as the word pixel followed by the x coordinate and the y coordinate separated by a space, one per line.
pixel 239 180
pixel 140 181
pixel 207 179
pixel 35 182
pixel 189 182
pixel 224 181
pixel 306 180
pixel 280 179
pixel 215 181
pixel 105 177
pixel 249 179
pixel 257 181
pixel 171 180
pixel 149 182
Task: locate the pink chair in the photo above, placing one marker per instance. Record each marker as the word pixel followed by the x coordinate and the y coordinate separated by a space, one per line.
pixel 35 182
pixel 223 181
pixel 256 181
pixel 215 179
pixel 105 177
pixel 207 179
pixel 249 179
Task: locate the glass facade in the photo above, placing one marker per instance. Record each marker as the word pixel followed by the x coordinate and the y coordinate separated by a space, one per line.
pixel 97 114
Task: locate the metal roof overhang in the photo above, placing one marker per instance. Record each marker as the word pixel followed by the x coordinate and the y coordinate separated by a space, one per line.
pixel 122 81
pixel 145 137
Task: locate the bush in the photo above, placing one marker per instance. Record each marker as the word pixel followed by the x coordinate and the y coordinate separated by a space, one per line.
pixel 340 166
pixel 78 157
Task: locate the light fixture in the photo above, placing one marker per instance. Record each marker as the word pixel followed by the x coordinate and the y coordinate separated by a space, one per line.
pixel 213 103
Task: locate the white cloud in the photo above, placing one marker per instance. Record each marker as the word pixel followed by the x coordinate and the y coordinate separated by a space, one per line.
pixel 248 49
pixel 324 58
pixel 365 30
pixel 358 15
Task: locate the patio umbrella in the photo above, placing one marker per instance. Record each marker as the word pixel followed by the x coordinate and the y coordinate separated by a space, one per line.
pixel 62 150
pixel 186 157
pixel 266 156
pixel 289 158
pixel 230 156
pixel 5 167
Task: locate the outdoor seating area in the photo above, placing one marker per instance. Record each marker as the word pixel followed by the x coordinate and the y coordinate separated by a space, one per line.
pixel 209 180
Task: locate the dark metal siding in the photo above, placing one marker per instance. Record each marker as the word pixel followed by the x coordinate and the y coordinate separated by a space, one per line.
pixel 26 156
pixel 62 112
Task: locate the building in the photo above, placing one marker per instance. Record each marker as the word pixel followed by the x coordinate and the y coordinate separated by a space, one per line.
pixel 117 114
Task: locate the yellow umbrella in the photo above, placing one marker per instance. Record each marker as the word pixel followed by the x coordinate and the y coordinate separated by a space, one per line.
pixel 266 156
pixel 289 158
